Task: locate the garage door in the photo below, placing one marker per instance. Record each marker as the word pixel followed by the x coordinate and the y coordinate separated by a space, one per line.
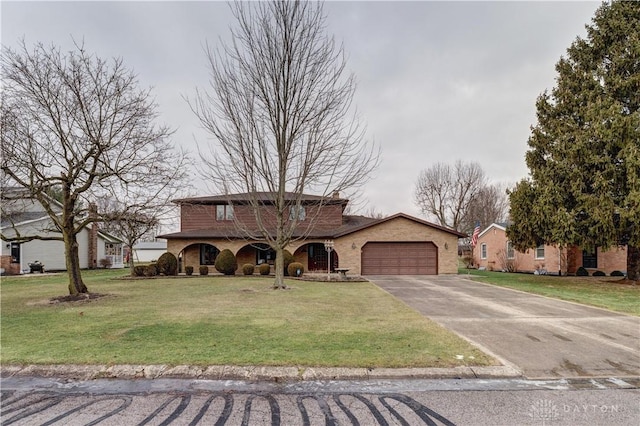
pixel 400 258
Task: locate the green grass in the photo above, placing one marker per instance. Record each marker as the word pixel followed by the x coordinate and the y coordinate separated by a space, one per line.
pixel 604 292
pixel 220 320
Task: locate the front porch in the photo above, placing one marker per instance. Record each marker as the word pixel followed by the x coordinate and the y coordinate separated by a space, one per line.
pixel 312 255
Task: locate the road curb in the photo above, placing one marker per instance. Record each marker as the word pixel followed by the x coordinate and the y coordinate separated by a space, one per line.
pixel 250 373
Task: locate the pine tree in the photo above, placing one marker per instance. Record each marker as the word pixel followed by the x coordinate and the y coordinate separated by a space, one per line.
pixel 584 151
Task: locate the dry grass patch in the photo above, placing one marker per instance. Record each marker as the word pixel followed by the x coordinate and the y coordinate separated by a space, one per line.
pixel 222 320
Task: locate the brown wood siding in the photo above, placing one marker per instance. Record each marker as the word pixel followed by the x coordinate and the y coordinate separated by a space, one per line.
pixel 194 217
pixel 399 258
pixel 197 217
pixel 330 216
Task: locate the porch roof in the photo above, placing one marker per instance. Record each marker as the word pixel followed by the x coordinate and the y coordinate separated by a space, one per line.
pixel 348 223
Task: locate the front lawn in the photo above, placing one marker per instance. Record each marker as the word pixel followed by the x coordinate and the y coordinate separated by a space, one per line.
pixel 605 292
pixel 218 320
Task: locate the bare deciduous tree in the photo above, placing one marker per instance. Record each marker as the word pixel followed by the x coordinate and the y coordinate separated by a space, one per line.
pixel 279 108
pixel 491 204
pixel 77 123
pixel 446 193
pixel 374 213
pixel 134 220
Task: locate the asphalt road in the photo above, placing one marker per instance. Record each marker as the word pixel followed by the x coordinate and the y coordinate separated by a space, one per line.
pixel 39 401
pixel 587 362
pixel 543 337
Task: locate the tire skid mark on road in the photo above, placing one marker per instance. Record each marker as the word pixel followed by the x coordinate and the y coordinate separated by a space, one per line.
pixel 358 408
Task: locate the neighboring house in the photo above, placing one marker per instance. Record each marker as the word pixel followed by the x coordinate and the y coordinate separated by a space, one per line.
pixel 95 248
pixel 495 252
pixel 395 245
pixel 148 251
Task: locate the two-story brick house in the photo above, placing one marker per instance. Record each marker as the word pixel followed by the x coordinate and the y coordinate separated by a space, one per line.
pixel 395 245
pixel 495 252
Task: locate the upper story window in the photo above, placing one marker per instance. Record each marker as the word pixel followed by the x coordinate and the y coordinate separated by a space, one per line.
pixel 224 212
pixel 511 253
pixel 297 212
pixel 483 251
pixel 540 252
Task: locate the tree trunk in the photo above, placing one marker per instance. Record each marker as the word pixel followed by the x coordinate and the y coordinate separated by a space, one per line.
pixel 633 263
pixel 130 262
pixel 279 279
pixel 76 285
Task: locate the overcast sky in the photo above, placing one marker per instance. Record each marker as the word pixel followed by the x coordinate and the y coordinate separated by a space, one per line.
pixel 437 81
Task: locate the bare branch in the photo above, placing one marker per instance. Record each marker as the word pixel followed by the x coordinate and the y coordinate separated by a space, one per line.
pixel 79 125
pixel 458 196
pixel 279 107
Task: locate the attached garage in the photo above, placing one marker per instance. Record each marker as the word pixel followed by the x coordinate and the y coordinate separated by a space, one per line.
pixel 399 258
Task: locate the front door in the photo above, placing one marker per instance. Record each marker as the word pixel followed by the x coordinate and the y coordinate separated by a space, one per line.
pixel 317 258
pixel 15 252
pixel 590 258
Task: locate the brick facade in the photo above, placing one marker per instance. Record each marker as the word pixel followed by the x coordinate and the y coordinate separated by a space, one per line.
pixel 9 267
pixel 348 247
pixel 402 229
pixel 547 259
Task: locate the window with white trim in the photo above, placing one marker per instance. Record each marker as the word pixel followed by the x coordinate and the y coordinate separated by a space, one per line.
pixel 511 253
pixel 112 249
pixel 540 252
pixel 224 212
pixel 483 251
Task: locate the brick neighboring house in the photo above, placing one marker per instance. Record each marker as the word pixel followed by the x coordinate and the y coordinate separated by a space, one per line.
pixel 395 245
pixel 495 253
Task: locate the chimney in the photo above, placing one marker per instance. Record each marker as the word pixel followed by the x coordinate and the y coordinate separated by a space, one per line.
pixel 336 194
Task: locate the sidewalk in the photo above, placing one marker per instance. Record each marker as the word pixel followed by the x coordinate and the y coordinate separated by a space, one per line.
pixel 248 373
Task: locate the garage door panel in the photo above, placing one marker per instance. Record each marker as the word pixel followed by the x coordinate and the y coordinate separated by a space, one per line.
pixel 399 258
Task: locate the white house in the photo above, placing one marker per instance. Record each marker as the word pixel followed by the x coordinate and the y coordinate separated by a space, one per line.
pixel 28 218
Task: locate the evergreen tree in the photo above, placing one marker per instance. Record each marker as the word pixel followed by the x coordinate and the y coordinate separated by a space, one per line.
pixel 584 155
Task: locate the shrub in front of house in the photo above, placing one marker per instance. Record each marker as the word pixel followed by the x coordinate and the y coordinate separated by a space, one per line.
pixel 295 269
pixel 264 269
pixel 617 273
pixel 581 272
pixel 167 264
pixel 106 262
pixel 188 270
pixel 599 274
pixel 288 259
pixel 226 262
pixel 138 271
pixel 248 269
pixel 151 270
pixel 204 270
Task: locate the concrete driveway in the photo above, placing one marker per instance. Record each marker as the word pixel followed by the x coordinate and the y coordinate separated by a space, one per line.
pixel 543 337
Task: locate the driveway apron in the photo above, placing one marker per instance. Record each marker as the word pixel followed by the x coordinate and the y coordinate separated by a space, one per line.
pixel 543 337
